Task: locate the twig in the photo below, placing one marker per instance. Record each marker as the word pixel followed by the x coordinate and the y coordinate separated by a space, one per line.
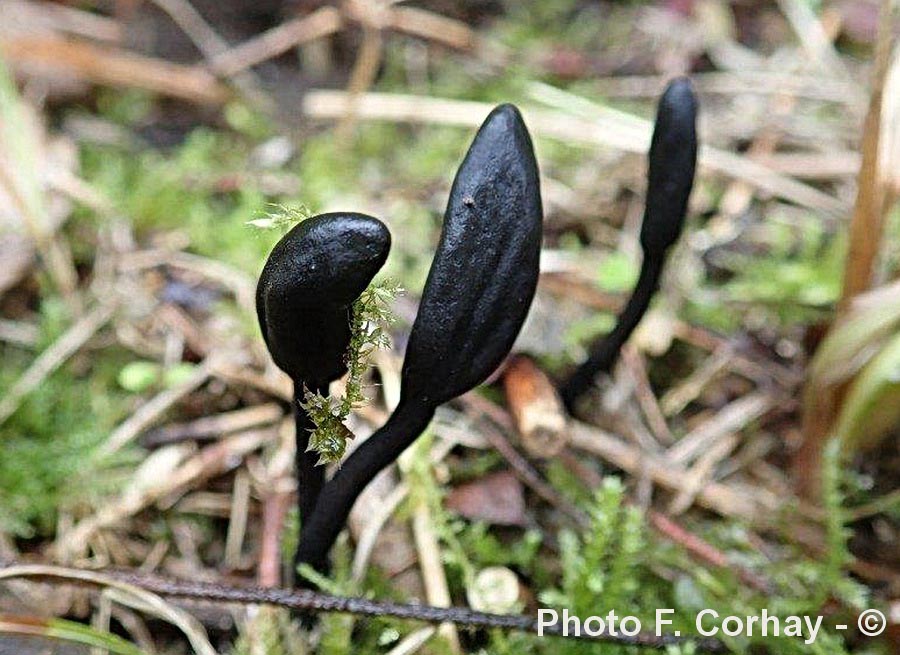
pixel 313 601
pixel 520 466
pixel 369 535
pixel 114 67
pixel 413 642
pixel 212 427
pixel 53 357
pixel 681 394
pixel 731 418
pixel 815 39
pixel 535 407
pixel 696 546
pixel 738 82
pixel 209 462
pixel 19 333
pixel 704 550
pixel 647 400
pixel 58 17
pixel 274 511
pixel 635 132
pixel 239 283
pixel 429 550
pixel 23 171
pixel 372 15
pixel 721 498
pixel 237 523
pixel 881 504
pixel 433 27
pixel 210 44
pixel 701 472
pixel 280 39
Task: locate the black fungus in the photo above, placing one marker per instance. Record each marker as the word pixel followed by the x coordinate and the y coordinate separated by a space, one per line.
pixel 303 300
pixel 670 177
pixel 478 292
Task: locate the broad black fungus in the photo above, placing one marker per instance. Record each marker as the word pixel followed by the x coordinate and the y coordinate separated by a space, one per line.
pixel 303 301
pixel 670 177
pixel 478 292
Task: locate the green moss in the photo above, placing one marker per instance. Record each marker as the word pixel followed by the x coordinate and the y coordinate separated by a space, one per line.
pixel 47 467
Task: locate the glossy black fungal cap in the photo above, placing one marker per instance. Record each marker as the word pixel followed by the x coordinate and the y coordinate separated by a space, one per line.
pixel 485 270
pixel 312 277
pixel 673 158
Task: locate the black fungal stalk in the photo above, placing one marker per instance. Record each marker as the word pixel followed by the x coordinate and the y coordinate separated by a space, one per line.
pixel 303 300
pixel 478 292
pixel 670 177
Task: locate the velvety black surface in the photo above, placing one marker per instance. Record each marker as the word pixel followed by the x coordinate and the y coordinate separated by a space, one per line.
pixel 485 271
pixel 478 292
pixel 670 177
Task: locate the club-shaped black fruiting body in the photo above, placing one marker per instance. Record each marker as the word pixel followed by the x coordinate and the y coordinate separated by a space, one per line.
pixel 303 300
pixel 478 292
pixel 670 177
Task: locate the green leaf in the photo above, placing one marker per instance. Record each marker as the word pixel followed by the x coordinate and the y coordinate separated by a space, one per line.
pixel 871 410
pixel 70 631
pixel 855 339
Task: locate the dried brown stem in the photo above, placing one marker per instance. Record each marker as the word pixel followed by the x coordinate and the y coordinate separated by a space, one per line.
pixel 536 409
pixel 114 67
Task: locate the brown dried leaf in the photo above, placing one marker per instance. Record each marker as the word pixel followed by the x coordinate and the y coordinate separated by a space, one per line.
pixel 497 498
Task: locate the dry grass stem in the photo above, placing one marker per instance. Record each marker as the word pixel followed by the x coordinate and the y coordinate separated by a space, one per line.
pixel 606 128
pixel 732 418
pixel 215 426
pixel 278 40
pixel 113 67
pixel 131 595
pixel 208 463
pixel 237 523
pixel 436 589
pixel 758 507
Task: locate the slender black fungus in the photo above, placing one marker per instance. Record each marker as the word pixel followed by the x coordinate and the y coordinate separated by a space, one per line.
pixel 478 292
pixel 673 157
pixel 303 301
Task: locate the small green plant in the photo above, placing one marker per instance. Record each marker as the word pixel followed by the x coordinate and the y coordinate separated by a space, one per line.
pixel 600 568
pixel 370 315
pixel 281 217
